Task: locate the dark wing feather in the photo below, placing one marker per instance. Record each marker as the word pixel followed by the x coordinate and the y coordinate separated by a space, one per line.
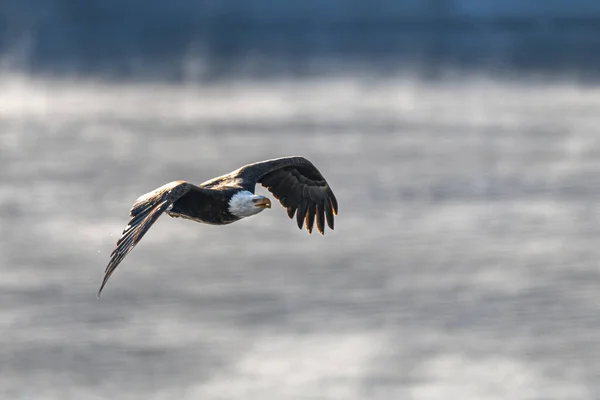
pixel 144 212
pixel 299 187
pixel 321 216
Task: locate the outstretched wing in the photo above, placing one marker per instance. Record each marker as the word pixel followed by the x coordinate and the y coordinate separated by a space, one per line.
pixel 144 212
pixel 299 187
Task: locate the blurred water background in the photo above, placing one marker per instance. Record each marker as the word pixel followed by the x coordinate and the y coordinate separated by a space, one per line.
pixel 460 137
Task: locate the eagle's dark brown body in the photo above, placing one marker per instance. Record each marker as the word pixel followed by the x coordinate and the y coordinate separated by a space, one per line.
pixel 205 206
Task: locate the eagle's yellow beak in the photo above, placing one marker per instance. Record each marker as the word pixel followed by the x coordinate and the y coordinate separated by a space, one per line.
pixel 263 202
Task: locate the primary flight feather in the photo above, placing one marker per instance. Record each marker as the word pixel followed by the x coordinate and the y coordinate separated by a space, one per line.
pixel 294 181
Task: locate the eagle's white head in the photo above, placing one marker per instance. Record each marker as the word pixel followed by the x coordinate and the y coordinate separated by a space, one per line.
pixel 244 204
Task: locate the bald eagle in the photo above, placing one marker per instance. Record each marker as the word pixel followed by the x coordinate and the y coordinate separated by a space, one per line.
pixel 294 181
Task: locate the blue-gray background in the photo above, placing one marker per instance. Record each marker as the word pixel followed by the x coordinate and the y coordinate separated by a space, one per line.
pixel 461 139
pixel 152 37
